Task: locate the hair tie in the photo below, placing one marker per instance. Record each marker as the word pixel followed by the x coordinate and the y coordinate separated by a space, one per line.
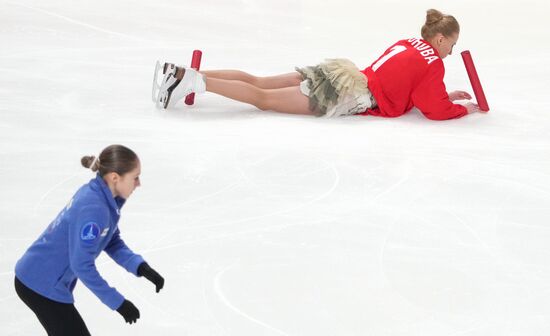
pixel 96 160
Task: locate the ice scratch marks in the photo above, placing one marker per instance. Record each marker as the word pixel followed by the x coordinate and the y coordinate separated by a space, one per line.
pixel 77 22
pixel 258 218
pixel 219 291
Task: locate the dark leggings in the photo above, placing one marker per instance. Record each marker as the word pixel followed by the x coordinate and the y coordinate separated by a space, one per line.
pixel 59 319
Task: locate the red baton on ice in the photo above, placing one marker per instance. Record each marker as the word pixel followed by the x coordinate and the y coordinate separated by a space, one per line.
pixel 474 80
pixel 195 64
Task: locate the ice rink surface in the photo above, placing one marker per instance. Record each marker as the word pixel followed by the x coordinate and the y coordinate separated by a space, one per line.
pixel 270 224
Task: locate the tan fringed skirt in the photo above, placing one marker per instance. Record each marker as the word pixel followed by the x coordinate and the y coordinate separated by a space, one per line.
pixel 336 87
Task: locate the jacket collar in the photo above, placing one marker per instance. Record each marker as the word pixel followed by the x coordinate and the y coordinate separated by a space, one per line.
pixel 115 203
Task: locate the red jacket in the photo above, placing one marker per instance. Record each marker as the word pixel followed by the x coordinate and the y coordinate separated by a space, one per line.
pixel 410 73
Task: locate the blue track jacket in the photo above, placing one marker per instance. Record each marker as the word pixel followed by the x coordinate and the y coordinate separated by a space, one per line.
pixel 68 248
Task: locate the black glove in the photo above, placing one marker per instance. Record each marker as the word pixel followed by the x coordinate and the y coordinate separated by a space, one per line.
pixel 150 274
pixel 128 311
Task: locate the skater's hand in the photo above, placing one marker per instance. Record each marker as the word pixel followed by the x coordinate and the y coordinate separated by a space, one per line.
pixel 128 311
pixel 472 107
pixel 459 95
pixel 150 274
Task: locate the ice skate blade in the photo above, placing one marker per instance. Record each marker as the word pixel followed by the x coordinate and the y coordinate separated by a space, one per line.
pixel 159 82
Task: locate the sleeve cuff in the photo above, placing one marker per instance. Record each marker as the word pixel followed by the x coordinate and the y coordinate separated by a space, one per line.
pixel 133 264
pixel 115 301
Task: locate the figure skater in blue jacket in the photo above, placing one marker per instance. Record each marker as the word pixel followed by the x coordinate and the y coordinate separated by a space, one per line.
pixel 65 252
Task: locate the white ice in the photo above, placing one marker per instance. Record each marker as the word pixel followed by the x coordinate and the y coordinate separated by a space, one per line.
pixel 271 224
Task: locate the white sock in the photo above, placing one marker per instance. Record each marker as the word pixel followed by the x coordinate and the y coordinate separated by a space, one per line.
pixel 198 80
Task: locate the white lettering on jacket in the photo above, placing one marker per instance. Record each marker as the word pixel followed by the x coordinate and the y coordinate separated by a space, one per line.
pixel 425 49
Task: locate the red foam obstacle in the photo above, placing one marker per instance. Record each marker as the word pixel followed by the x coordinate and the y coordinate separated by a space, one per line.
pixel 474 80
pixel 195 64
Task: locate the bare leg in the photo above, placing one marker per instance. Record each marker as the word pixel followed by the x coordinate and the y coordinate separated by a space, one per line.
pixel 270 82
pixel 286 100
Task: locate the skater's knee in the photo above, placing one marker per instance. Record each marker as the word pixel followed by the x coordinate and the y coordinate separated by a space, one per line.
pixel 264 102
pixel 263 105
pixel 255 80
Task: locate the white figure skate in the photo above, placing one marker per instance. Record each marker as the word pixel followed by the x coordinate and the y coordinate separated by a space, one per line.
pixel 167 92
pixel 161 87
